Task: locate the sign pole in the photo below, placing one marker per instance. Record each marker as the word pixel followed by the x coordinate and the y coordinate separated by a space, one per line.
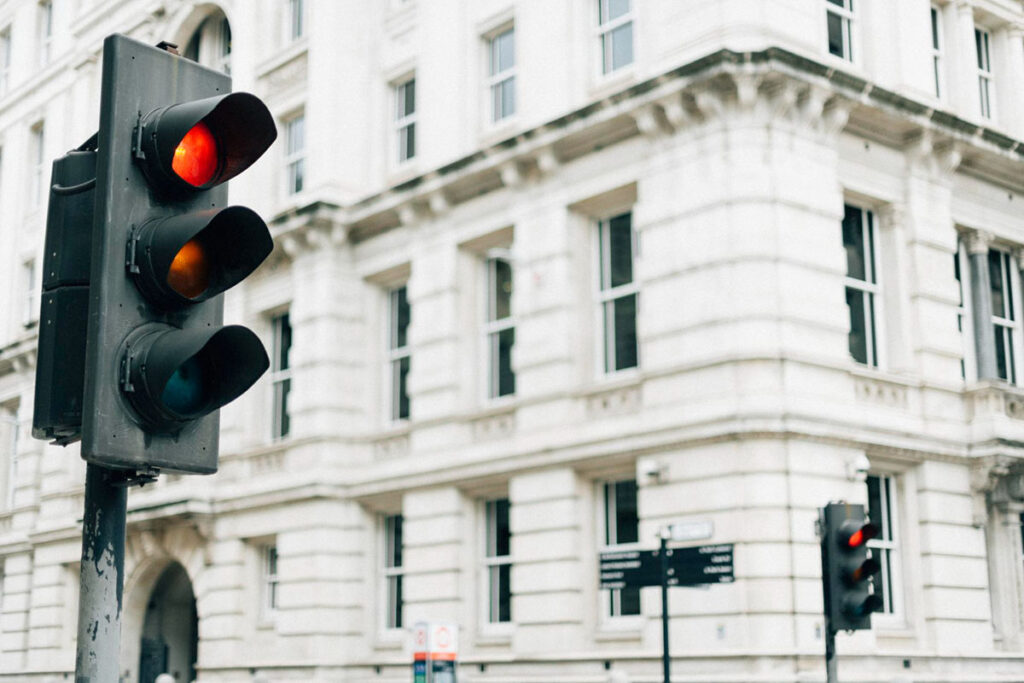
pixel 665 662
pixel 101 575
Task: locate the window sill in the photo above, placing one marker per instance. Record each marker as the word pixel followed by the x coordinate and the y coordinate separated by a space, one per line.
pixel 497 131
pixel 609 83
pixel 391 639
pixel 611 631
pixel 495 635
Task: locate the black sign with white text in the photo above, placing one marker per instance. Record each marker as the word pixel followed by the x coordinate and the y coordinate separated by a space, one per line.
pixel 693 566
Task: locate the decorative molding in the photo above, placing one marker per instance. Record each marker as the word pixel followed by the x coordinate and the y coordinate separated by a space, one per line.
pixel 881 392
pixel 391 447
pixel 494 426
pixel 618 401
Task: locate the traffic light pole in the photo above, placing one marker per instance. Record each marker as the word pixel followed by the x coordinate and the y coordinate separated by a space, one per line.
pixel 665 661
pixel 831 673
pixel 97 659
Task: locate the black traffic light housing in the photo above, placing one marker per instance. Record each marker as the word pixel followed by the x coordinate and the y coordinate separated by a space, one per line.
pixel 847 568
pixel 64 309
pixel 166 245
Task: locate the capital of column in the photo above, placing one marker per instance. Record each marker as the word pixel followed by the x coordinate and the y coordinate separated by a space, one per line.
pixel 977 241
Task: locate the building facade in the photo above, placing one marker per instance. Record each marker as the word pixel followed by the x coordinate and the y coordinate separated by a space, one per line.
pixel 548 277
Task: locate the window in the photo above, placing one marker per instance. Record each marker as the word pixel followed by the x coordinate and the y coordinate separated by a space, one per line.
pixel 37 151
pixel 499 329
pixel 295 153
pixel 9 433
pixel 618 292
pixel 615 28
pixel 981 44
pixel 5 59
pixel 882 509
pixel 281 376
pixel 405 119
pixel 962 321
pixel 210 45
pixel 937 49
pixel 497 561
pixel 295 19
pixel 1004 321
pixel 839 22
pixel 398 352
pixel 270 581
pixel 502 75
pixel 621 526
pixel 31 311
pixel 861 284
pixel 45 30
pixel 393 571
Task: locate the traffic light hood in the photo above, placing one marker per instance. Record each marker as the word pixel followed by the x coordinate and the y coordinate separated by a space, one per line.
pixel 192 257
pixel 179 375
pixel 220 136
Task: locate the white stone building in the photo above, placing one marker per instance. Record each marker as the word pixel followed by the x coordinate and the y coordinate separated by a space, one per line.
pixel 766 254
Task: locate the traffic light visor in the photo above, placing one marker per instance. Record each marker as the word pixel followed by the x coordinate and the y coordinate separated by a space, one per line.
pixel 197 145
pixel 191 257
pixel 179 375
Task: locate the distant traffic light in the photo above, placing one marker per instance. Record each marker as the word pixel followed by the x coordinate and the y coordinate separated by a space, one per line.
pixel 848 570
pixel 166 246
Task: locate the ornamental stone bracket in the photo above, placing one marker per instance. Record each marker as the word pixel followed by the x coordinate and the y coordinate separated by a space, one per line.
pixel 996 480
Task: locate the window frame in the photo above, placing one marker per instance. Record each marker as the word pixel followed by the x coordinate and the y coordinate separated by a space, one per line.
pixel 606 297
pixel 295 154
pixel 38 150
pixel 270 581
pixel 870 288
pixel 965 321
pixel 32 292
pixel 611 604
pixel 494 327
pixel 396 353
pixel 44 30
pixel 847 18
pixel 280 377
pixel 296 21
pixel 404 123
pixel 494 565
pixel 495 80
pixel 604 32
pixel 938 50
pixel 392 571
pixel 986 77
pixel 5 59
pixel 1007 323
pixel 886 548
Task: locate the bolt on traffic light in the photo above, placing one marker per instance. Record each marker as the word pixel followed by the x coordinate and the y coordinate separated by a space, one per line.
pixel 848 569
pixel 159 362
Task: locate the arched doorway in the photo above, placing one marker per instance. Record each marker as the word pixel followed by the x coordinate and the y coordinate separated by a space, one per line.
pixel 170 633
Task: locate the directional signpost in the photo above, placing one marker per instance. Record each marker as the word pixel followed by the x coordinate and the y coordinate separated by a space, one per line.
pixel 690 566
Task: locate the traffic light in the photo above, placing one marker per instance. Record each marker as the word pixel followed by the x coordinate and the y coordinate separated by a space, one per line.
pixel 64 310
pixel 847 569
pixel 159 362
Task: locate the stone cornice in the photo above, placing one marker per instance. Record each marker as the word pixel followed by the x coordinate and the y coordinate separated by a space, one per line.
pixel 772 83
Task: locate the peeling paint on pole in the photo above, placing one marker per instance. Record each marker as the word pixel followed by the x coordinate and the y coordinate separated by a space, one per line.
pixel 101 577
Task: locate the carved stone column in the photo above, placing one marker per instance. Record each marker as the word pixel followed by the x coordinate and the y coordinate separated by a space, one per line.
pixel 977 243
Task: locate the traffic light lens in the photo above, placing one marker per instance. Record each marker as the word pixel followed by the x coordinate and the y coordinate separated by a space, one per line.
pixel 185 392
pixel 189 274
pixel 195 158
pixel 856 539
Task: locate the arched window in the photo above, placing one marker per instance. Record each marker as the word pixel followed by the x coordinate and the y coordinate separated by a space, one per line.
pixel 210 44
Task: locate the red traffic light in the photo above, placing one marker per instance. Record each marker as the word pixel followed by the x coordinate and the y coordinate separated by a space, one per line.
pixel 853 534
pixel 200 144
pixel 196 156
